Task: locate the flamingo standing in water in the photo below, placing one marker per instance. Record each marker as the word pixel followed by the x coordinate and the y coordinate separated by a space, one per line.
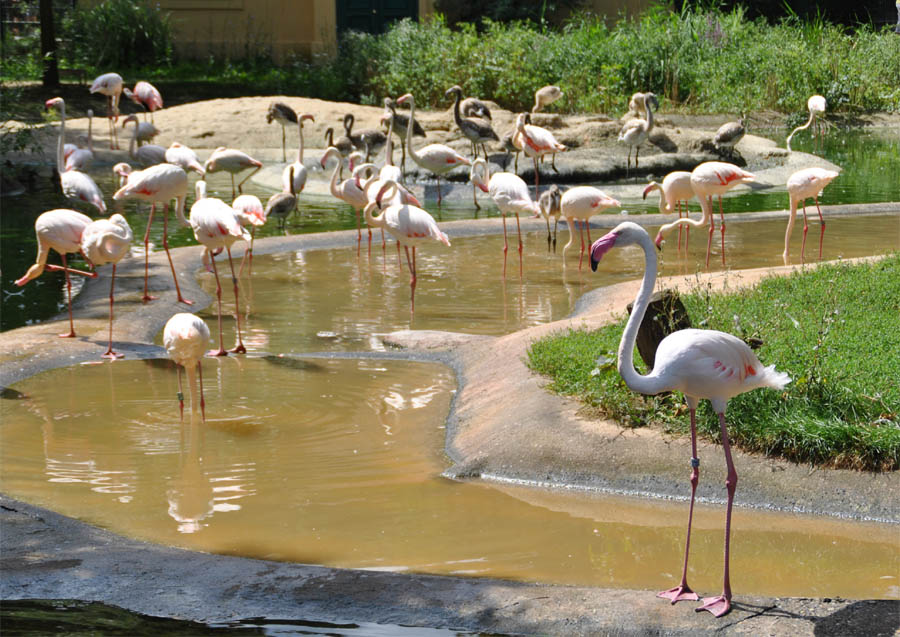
pixel 60 230
pixel 580 204
pixel 160 183
pixel 144 132
pixel 437 158
pixel 675 188
pixel 76 185
pixel 145 155
pixel 550 204
pixel 232 161
pixel 216 226
pixel 107 241
pixel 146 95
pixel 400 123
pixel 700 364
pixel 298 175
pixel 535 142
pixel 802 185
pixel 410 226
pixel 285 116
pixel 816 106
pixel 184 157
pixel 510 193
pixel 186 337
pixel 281 204
pixel 349 190
pixel 250 212
pixel 110 85
pixel 716 178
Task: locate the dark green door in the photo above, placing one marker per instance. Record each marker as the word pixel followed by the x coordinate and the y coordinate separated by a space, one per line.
pixel 373 16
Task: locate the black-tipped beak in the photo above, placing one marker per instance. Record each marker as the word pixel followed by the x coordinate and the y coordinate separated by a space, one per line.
pixel 594 263
pixel 658 246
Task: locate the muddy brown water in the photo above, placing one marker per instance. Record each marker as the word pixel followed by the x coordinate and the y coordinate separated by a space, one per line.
pixel 338 461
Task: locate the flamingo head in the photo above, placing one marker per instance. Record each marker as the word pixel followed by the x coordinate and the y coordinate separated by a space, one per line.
pixel 626 233
pixel 405 98
pixel 355 157
pixel 130 118
pixel 387 185
pixel 456 89
pixel 650 188
pixel 122 169
pixel 601 246
pixel 54 102
pixel 308 116
pixel 658 240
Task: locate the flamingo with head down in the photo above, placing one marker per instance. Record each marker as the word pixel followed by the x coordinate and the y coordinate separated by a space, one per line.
pixel 675 188
pixel 580 204
pixel 802 185
pixel 232 161
pixel 186 337
pixel 716 178
pixel 146 95
pixel 110 85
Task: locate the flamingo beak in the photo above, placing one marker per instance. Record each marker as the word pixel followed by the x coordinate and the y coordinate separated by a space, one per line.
pixel 647 191
pixel 601 246
pixel 483 188
pixel 658 241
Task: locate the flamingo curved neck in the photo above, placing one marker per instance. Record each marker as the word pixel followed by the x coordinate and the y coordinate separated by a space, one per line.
pixel 334 176
pixel 456 116
pixel 409 131
pixel 812 116
pixel 300 149
pixel 60 151
pixel 375 222
pixel 649 112
pixel 642 384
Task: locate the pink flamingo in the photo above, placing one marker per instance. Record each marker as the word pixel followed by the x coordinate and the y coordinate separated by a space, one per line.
pixel 816 106
pixel 510 194
pixel 61 230
pixel 716 178
pixel 675 188
pixel 110 85
pixel 76 185
pixel 250 212
pixel 582 203
pixel 410 226
pixel 216 226
pixel 146 95
pixel 232 161
pixel 107 241
pixel 184 157
pixel 162 182
pixel 373 185
pixel 186 337
pixel 299 170
pixel 802 185
pixel 437 158
pixel 544 96
pixel 350 190
pixel 700 364
pixel 535 142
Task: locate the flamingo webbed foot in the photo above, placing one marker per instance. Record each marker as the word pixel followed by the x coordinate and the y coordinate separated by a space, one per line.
pixel 217 352
pixel 185 301
pixel 238 349
pixel 147 298
pixel 718 606
pixel 680 593
pixel 112 355
pixel 70 334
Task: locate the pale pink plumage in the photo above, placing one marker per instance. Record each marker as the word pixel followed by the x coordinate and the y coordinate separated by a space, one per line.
pixel 186 338
pixel 580 204
pixel 299 170
pixel 675 188
pixel 716 178
pixel 232 161
pixel 110 85
pixel 76 185
pixel 802 185
pixel 184 157
pixel 535 142
pixel 146 95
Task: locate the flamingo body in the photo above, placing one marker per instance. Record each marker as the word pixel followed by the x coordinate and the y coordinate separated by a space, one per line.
pixel 146 95
pixel 110 85
pixel 716 178
pixel 232 161
pixel 296 172
pixel 183 157
pixel 580 204
pixel 544 96
pixel 802 185
pixel 186 337
pixel 637 131
pixel 75 185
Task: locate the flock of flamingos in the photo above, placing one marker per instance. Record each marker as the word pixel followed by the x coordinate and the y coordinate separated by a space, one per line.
pixel 699 363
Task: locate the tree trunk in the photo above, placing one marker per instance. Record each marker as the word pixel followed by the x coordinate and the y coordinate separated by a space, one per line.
pixel 665 314
pixel 50 76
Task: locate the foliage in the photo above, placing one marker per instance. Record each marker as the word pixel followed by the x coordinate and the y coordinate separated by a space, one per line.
pixel 117 34
pixel 832 329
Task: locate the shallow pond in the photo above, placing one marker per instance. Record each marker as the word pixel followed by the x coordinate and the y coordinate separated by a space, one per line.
pixel 344 470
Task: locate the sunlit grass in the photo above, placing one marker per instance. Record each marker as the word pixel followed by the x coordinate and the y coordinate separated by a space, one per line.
pixel 835 330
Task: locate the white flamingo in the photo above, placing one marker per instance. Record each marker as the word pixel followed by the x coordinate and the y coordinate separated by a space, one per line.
pixel 545 96
pixel 216 226
pixel 110 85
pixel 184 157
pixel 535 142
pixel 250 212
pixel 186 338
pixel 580 204
pixel 81 158
pixel 636 131
pixel 349 190
pixel 716 178
pixel 802 185
pixel 299 172
pixel 76 185
pixel 675 188
pixel 700 364
pixel 816 106
pixel 232 161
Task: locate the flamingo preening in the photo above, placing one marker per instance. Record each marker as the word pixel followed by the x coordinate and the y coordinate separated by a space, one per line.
pixel 544 96
pixel 410 226
pixel 437 158
pixel 510 194
pixel 716 178
pixel 816 106
pixel 802 185
pixel 675 188
pixel 60 230
pixel 216 226
pixel 107 241
pixel 186 337
pixel 700 364
pixel 145 95
pixel 476 130
pixel 250 212
pixel 231 161
pixel 110 85
pixel 76 185
pixel 159 183
pixel 580 204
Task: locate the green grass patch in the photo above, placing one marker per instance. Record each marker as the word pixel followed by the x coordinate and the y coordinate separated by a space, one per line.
pixel 835 330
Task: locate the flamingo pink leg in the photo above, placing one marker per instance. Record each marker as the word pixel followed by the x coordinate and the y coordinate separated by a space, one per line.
pixel 109 350
pixel 722 228
pixel 505 244
pixel 805 229
pixel 181 299
pixel 712 225
pixel 412 278
pixel 239 348
pixel 721 604
pixel 71 333
pixel 822 225
pixel 221 351
pixel 147 296
pixel 519 231
pixel 200 383
pixel 683 592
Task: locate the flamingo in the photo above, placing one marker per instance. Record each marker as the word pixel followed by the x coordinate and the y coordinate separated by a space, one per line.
pixel 144 132
pixel 636 131
pixel 675 188
pixel 438 158
pixel 82 158
pixel 159 183
pixel 186 337
pixel 61 230
pixel 802 185
pixel 370 140
pixel 729 134
pixel 76 185
pixel 476 130
pixel 344 146
pixel 146 155
pixel 700 364
pixel 281 204
pixel 349 190
pixel 550 204
pixel 544 96
pixel 373 184
pixel 110 85
pixel 474 107
pixel 535 142
pixel 715 178
pixel 401 123
pixel 232 161
pixel 216 226
pixel 250 212
pixel 298 175
pixel 510 193
pixel 635 106
pixel 107 241
pixel 146 95
pixel 184 157
pixel 816 106
pixel 410 226
pixel 581 203
pixel 284 115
